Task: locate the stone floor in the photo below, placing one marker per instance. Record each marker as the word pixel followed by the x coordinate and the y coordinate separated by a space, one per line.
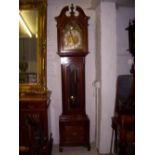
pixel 74 151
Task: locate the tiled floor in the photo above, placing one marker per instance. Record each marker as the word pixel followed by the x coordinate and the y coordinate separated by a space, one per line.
pixel 74 151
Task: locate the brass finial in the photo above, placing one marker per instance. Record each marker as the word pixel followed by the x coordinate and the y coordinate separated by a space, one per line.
pixel 72 9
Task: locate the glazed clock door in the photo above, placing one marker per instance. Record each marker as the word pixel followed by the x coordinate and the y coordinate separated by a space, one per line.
pixel 73 85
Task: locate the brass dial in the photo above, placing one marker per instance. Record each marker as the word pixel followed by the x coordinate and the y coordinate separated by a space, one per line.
pixel 72 38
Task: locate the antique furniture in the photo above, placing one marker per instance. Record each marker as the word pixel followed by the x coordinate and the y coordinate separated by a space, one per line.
pixel 131 38
pixel 72 35
pixel 33 124
pixel 34 98
pixel 123 121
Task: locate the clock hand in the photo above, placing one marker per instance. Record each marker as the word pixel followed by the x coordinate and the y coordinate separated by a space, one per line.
pixel 71 36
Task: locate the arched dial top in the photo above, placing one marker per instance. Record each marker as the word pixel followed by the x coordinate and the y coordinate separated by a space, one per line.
pixel 72 11
pixel 72 32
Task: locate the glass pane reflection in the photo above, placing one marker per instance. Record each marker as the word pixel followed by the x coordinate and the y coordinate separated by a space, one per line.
pixel 28 46
pixel 73 86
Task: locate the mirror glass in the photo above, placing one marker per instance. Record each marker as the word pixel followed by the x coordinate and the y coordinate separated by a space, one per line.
pixel 28 45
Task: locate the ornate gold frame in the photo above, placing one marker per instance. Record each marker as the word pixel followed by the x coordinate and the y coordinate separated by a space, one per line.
pixel 41 85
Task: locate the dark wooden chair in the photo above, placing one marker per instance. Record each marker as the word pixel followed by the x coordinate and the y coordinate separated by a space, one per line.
pixel 123 121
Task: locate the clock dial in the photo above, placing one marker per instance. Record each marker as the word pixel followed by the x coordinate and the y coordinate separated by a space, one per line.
pixel 72 38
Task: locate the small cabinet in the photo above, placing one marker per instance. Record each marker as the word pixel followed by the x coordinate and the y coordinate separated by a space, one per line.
pixel 33 123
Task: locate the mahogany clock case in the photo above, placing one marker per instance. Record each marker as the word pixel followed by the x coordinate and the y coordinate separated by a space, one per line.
pixel 73 123
pixel 72 36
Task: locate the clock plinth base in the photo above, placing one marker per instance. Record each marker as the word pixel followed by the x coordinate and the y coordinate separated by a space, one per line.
pixel 74 131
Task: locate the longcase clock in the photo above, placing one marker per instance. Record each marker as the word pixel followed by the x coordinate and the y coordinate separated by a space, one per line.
pixel 72 35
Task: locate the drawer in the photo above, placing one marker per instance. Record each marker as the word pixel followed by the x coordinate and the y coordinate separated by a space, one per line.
pixel 73 134
pixel 29 105
pixel 74 131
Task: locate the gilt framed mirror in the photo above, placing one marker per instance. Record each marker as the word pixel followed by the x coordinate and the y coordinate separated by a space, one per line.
pixel 32 46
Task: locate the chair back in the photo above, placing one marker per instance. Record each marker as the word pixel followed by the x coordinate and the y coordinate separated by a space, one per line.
pixel 124 88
